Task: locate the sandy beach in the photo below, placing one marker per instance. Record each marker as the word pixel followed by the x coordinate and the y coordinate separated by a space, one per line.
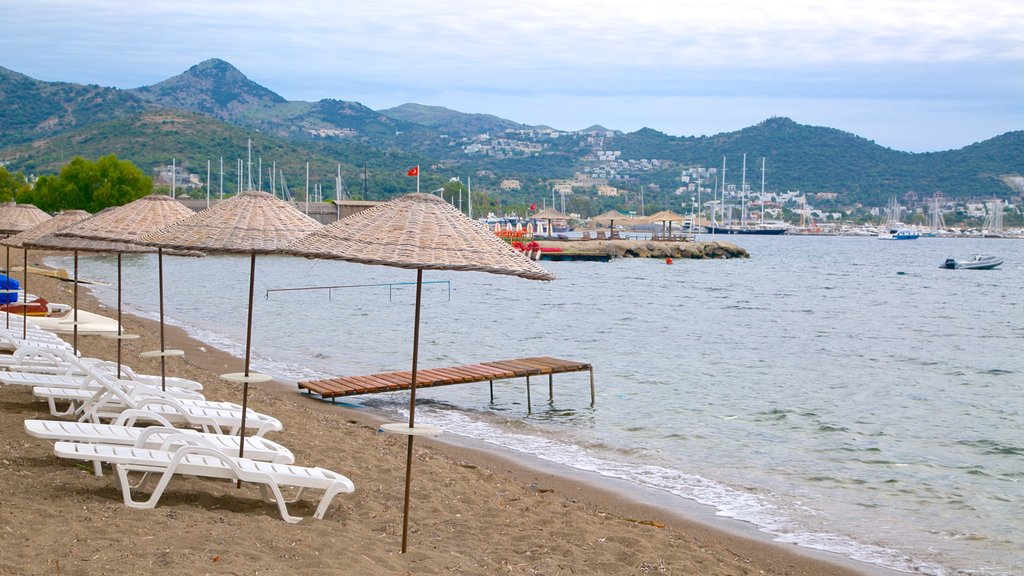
pixel 474 511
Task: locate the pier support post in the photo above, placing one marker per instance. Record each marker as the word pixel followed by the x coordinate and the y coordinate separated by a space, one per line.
pixel 591 387
pixel 529 407
pixel 551 387
pixel 492 390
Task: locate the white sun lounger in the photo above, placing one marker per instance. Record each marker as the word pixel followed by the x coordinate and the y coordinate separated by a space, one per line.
pixel 208 462
pixel 68 370
pixel 152 437
pixel 30 378
pixel 76 398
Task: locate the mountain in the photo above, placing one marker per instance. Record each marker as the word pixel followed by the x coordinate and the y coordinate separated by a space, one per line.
pixel 451 122
pixel 212 87
pixel 212 110
pixel 820 159
pixel 32 109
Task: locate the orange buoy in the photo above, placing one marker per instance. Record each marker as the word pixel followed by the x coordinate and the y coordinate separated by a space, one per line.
pixel 668 260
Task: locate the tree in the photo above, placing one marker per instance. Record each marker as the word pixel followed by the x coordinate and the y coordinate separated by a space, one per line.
pixel 90 186
pixel 12 186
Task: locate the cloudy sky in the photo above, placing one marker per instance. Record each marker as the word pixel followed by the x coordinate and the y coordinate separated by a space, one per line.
pixel 912 75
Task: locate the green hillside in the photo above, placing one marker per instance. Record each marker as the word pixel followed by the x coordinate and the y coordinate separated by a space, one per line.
pixel 451 122
pixel 818 159
pixel 31 109
pixel 152 139
pixel 212 110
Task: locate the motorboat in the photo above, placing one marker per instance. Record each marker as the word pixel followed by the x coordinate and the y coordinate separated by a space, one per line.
pixel 978 262
pixel 898 234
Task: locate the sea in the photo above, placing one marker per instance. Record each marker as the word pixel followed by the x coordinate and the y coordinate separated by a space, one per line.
pixel 842 394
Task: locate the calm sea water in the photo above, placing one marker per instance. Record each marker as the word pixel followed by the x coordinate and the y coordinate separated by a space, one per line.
pixel 844 394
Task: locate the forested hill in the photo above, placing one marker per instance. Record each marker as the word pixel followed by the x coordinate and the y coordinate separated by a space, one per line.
pixel 43 124
pixel 813 158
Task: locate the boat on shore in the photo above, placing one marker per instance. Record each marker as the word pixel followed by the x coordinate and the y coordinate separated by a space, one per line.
pixel 60 318
pixel 978 262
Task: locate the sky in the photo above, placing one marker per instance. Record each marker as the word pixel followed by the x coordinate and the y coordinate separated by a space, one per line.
pixel 910 75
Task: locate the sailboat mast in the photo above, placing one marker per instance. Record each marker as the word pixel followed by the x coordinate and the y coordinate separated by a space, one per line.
pixel 762 190
pixel 250 164
pixel 743 193
pixel 722 195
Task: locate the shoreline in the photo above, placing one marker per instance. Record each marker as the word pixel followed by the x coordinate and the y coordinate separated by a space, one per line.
pixel 542 516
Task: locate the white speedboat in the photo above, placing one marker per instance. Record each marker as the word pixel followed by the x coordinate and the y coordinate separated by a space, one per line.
pixel 978 262
pixel 898 234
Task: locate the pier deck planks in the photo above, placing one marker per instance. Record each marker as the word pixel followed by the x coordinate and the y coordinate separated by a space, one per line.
pixel 430 377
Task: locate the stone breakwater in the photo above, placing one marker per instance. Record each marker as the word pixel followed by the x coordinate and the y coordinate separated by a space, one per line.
pixel 649 249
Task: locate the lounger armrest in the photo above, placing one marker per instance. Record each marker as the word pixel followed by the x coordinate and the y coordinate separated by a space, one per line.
pixel 128 418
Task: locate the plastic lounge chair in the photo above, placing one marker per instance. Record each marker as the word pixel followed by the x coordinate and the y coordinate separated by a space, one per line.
pixel 76 398
pixel 11 339
pixel 152 437
pixel 112 397
pixel 63 361
pixel 59 368
pixel 203 460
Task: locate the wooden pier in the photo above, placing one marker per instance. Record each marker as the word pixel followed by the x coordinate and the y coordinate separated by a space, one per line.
pixel 484 372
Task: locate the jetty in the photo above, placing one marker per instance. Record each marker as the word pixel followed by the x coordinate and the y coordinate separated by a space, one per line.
pixel 622 248
pixel 333 388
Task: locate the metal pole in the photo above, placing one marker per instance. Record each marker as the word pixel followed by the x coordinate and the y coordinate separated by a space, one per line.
pixel 529 404
pixel 412 410
pixel 74 327
pixel 7 266
pixel 24 286
pixel 163 359
pixel 119 328
pixel 248 349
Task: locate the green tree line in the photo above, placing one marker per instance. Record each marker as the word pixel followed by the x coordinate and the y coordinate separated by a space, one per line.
pixel 86 185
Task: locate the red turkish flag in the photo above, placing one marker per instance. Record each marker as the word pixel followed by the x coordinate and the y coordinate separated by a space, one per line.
pixel 533 206
pixel 414 171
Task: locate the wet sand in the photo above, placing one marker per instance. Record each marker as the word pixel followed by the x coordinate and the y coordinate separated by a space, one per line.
pixel 474 510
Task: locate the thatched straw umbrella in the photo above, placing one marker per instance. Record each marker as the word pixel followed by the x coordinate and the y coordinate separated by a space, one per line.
pixel 550 214
pixel 666 216
pixel 420 232
pixel 23 239
pixel 69 243
pixel 127 224
pixel 249 223
pixel 610 217
pixel 14 219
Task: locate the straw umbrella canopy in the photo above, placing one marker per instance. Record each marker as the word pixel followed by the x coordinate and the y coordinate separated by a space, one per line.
pixel 16 218
pixel 666 216
pixel 249 223
pixel 611 216
pixel 70 243
pixel 22 239
pixel 550 214
pixel 127 224
pixel 420 232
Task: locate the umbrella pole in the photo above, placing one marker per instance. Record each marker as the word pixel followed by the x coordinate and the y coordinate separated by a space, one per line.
pixel 24 286
pixel 7 286
pixel 74 328
pixel 248 350
pixel 160 275
pixel 119 315
pixel 412 410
